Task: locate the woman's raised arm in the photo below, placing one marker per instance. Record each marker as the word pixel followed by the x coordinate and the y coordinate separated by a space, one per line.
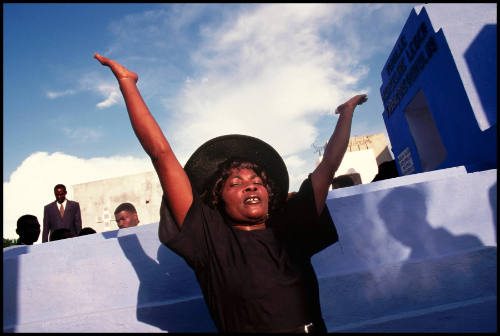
pixel 173 178
pixel 334 152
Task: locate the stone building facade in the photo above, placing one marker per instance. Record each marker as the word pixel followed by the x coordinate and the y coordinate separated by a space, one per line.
pixel 99 199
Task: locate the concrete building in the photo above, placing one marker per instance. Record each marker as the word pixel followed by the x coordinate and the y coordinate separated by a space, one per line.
pixel 99 199
pixel 360 163
pixel 363 156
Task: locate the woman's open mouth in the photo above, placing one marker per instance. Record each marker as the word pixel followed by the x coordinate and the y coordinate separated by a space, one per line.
pixel 252 200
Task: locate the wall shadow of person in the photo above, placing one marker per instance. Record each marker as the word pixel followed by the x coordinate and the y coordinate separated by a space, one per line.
pixel 481 60
pixel 10 287
pixel 412 229
pixel 492 196
pixel 169 296
pixel 441 267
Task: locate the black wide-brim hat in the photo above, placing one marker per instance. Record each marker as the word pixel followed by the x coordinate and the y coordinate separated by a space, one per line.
pixel 204 163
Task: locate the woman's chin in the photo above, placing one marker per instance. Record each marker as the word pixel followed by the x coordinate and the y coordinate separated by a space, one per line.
pixel 257 218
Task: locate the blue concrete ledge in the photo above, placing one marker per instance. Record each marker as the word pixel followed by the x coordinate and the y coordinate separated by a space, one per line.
pixel 416 253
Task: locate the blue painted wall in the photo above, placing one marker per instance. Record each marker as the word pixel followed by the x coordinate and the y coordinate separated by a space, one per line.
pixel 442 83
pixel 416 253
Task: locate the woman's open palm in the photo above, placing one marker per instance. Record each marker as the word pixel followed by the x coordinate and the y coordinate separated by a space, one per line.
pixel 118 70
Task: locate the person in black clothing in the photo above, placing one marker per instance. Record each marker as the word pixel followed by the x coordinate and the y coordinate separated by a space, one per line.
pixel 386 170
pixel 86 231
pixel 28 229
pixel 227 214
pixel 61 233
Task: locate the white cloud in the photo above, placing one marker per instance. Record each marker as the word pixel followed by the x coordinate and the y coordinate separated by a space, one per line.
pixel 267 73
pixel 298 170
pixel 82 134
pixel 55 94
pixel 270 71
pixel 112 94
pixel 101 82
pixel 30 187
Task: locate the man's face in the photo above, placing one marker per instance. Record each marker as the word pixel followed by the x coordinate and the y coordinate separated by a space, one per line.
pixel 60 194
pixel 125 219
pixel 245 196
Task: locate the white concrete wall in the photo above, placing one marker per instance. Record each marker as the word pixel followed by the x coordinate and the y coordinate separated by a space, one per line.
pixel 363 156
pixel 416 253
pixel 99 199
pixel 362 162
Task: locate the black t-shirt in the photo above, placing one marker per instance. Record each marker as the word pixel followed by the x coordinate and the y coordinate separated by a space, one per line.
pixel 260 280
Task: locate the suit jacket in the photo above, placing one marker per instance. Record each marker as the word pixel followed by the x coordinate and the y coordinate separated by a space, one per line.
pixel 52 219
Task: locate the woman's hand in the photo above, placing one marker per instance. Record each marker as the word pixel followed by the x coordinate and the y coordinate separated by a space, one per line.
pixel 351 104
pixel 121 73
pixel 321 177
pixel 173 179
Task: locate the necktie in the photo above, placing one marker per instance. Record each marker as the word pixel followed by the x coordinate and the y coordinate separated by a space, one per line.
pixel 62 210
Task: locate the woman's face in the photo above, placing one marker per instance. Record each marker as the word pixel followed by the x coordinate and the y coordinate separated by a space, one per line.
pixel 245 196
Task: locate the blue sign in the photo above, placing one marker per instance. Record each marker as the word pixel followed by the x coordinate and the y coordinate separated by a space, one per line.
pixel 409 66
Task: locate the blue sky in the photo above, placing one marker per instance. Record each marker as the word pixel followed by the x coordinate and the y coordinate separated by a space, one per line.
pixel 274 71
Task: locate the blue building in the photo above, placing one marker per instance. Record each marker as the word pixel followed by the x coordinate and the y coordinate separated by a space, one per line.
pixel 439 89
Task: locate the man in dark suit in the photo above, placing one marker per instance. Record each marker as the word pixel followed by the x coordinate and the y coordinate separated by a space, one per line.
pixel 62 213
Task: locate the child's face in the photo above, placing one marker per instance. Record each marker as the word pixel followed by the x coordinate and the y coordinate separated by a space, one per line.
pixel 245 196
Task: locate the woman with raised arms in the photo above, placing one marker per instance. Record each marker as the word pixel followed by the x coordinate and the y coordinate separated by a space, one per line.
pixel 228 214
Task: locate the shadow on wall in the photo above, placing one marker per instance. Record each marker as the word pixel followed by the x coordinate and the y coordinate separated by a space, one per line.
pixel 169 296
pixel 417 289
pixel 10 270
pixel 10 288
pixel 434 279
pixel 482 63
pixel 492 193
pixel 418 234
pixel 440 268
